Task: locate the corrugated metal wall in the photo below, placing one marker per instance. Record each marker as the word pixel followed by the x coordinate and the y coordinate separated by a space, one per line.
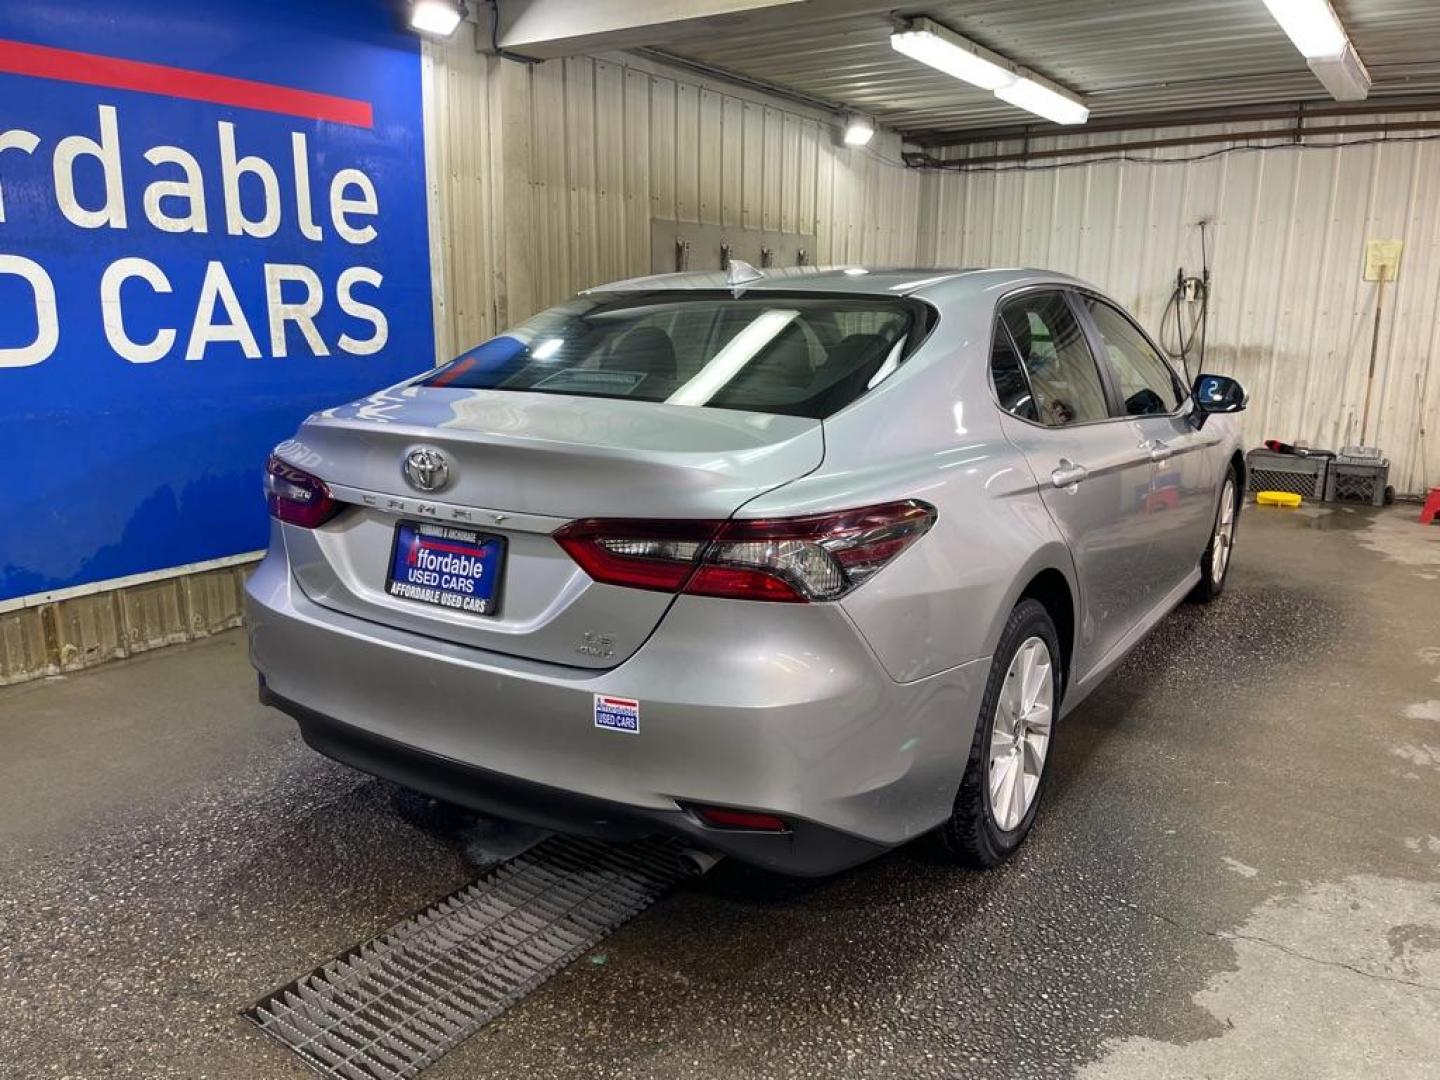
pixel 1290 315
pixel 547 179
pixel 82 631
pixel 549 176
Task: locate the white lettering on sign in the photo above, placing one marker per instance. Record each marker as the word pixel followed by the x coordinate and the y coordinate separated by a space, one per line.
pixel 115 275
pixel 206 330
pixel 371 314
pixel 301 314
pixel 47 318
pixel 232 170
pixel 342 205
pixel 192 189
pixel 304 213
pixel 16 139
pixel 172 187
pixel 107 152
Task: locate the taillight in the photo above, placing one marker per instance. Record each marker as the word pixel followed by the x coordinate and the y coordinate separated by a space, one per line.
pixel 809 558
pixel 786 560
pixel 658 555
pixel 295 497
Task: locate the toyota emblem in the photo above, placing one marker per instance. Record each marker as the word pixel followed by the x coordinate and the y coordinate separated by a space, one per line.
pixel 426 469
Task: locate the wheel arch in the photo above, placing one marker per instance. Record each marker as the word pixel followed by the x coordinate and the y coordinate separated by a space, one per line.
pixel 1051 589
pixel 1048 578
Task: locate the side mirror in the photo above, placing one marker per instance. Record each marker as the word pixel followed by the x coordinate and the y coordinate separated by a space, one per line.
pixel 1216 394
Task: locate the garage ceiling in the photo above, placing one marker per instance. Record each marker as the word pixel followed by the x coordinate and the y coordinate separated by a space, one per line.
pixel 1127 57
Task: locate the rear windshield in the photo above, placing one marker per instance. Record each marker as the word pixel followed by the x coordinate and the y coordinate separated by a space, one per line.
pixel 806 355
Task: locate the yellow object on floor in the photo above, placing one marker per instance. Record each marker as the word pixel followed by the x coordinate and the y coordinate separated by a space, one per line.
pixel 1277 498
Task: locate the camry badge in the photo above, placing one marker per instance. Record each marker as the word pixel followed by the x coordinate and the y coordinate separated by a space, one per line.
pixel 426 469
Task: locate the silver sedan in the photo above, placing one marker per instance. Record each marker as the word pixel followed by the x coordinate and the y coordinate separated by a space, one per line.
pixel 797 566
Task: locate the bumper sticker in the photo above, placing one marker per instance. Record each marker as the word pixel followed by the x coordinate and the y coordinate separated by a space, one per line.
pixel 617 714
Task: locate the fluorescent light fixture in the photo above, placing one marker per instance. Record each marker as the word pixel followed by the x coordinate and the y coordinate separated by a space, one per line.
pixel 1344 75
pixel 858 131
pixel 1311 25
pixel 438 18
pixel 947 51
pixel 943 49
pixel 1316 31
pixel 1042 100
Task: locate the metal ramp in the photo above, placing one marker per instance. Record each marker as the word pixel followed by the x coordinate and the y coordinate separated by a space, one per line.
pixel 396 1004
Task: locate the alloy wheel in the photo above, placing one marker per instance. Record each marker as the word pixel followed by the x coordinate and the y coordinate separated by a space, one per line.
pixel 1224 534
pixel 1020 735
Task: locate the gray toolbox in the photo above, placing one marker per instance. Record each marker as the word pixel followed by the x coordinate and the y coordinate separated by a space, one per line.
pixel 1358 474
pixel 1268 471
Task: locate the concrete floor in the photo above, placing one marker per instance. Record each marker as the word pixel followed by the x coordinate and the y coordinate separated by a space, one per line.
pixel 1236 873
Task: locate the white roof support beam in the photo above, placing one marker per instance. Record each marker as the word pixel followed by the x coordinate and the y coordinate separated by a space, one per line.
pixel 549 28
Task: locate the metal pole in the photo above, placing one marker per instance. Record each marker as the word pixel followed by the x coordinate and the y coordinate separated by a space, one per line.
pixel 1374 348
pixel 1283 136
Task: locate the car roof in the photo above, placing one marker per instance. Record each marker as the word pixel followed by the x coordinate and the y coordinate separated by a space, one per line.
pixel 933 283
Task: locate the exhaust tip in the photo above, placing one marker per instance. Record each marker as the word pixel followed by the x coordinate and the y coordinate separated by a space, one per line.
pixel 694 861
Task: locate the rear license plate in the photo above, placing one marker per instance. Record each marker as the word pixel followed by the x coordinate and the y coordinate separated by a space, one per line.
pixel 446 566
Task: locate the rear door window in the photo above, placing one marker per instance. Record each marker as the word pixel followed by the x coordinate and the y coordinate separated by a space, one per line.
pixel 1063 377
pixel 1146 383
pixel 1012 389
pixel 803 355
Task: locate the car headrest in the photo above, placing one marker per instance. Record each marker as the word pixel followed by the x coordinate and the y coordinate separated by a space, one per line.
pixel 863 355
pixel 856 347
pixel 788 357
pixel 647 349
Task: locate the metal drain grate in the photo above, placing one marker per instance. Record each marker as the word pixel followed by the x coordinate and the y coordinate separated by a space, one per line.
pixel 394 1005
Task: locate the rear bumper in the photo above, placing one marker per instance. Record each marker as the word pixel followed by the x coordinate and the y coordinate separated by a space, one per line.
pixel 806 849
pixel 777 708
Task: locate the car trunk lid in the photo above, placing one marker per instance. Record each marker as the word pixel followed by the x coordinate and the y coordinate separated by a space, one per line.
pixel 518 466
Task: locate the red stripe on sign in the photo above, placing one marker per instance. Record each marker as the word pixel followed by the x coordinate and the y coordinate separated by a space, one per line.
pixel 624 703
pixel 440 545
pixel 90 69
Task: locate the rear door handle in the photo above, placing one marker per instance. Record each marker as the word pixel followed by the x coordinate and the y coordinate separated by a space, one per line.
pixel 1159 451
pixel 1067 474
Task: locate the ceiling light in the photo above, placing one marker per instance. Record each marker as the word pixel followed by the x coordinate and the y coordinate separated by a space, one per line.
pixel 858 131
pixel 1344 75
pixel 1312 26
pixel 1042 100
pixel 438 18
pixel 1316 31
pixel 943 49
pixel 947 51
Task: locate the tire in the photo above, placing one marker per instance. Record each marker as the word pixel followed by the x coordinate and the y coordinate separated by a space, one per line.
pixel 1213 576
pixel 976 834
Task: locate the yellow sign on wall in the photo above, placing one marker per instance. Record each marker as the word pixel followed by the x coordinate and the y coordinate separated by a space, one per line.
pixel 1382 259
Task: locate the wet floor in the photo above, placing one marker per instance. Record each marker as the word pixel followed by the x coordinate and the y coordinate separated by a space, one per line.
pixel 1236 873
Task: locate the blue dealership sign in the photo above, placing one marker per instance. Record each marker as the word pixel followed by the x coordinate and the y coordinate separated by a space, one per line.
pixel 212 223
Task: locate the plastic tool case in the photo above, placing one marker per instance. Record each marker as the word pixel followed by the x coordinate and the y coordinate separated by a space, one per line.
pixel 1358 474
pixel 1268 471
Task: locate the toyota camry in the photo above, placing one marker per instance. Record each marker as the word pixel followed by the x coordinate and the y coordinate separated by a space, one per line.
pixel 795 565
